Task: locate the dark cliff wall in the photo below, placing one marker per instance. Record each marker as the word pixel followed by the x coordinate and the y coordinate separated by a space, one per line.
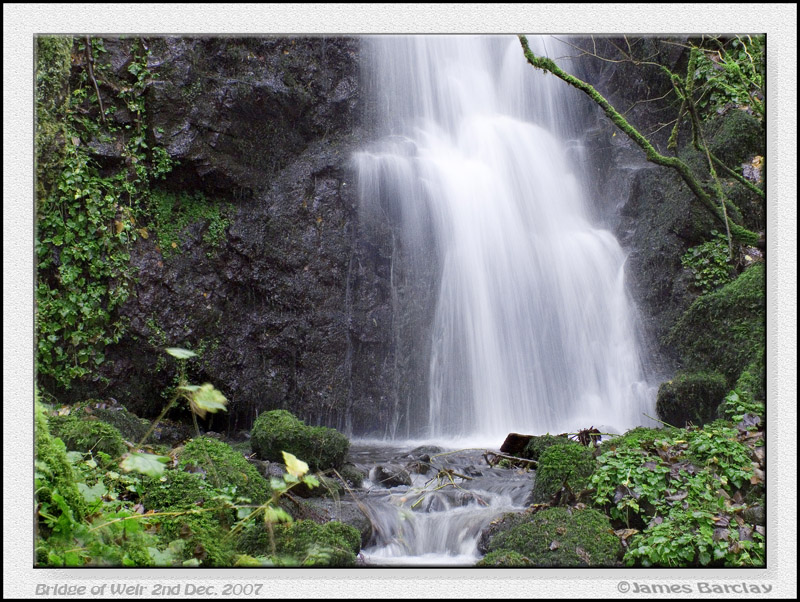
pixel 282 307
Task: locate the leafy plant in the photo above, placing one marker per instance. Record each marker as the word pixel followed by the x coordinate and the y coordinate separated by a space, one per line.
pixel 682 495
pixel 86 216
pixel 736 405
pixel 709 263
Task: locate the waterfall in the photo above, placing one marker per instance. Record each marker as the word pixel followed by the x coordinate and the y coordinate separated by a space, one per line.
pixel 533 330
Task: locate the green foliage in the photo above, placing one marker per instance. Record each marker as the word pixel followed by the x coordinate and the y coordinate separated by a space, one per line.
pixel 87 435
pixel 709 263
pixel 563 464
pixel 690 398
pixel 557 537
pixel 737 404
pixel 731 72
pixel 278 430
pixel 86 216
pixel 629 481
pixel 172 213
pixel 679 490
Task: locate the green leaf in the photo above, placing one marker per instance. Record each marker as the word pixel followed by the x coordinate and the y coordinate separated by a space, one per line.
pixel 276 515
pixel 149 464
pixel 92 494
pixel 181 354
pixel 311 481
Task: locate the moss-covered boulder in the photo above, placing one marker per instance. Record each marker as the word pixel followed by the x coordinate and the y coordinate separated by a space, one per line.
pixel 563 464
pixel 54 474
pixel 504 558
pixel 131 427
pixel 87 434
pixel 223 468
pixel 278 430
pixel 538 444
pixel 557 537
pixel 691 398
pixel 725 330
pixel 303 543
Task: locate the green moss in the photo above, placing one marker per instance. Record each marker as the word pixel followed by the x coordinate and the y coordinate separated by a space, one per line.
pixel 278 430
pixel 53 62
pixel 352 475
pixel 558 537
pixel 724 330
pixel 131 427
pixel 736 137
pixel 569 464
pixel 54 472
pixel 304 543
pixel 537 445
pixel 206 540
pixel 224 467
pixel 87 435
pixel 504 558
pixel 177 490
pixel 691 398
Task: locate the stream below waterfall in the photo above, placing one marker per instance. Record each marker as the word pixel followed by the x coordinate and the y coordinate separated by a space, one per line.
pixel 437 519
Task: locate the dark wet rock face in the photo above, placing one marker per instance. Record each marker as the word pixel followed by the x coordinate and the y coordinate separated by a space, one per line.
pixel 264 127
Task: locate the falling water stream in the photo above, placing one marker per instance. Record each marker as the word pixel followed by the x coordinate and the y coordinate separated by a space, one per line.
pixel 533 331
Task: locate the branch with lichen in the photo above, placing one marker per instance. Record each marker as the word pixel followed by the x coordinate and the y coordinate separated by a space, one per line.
pixel 738 232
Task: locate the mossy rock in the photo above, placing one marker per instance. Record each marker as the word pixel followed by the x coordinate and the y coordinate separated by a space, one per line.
pixel 303 543
pixel 736 137
pixel 352 476
pixel 570 464
pixel 131 427
pixel 725 330
pixel 278 431
pixel 223 467
pixel 691 398
pixel 538 444
pixel 558 537
pixel 86 435
pixel 504 558
pixel 54 473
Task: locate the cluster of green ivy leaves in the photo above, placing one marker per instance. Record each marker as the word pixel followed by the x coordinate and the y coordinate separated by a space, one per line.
pixel 680 490
pixel 709 263
pixel 87 217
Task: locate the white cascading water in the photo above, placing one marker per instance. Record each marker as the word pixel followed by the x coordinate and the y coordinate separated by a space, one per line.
pixel 533 331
